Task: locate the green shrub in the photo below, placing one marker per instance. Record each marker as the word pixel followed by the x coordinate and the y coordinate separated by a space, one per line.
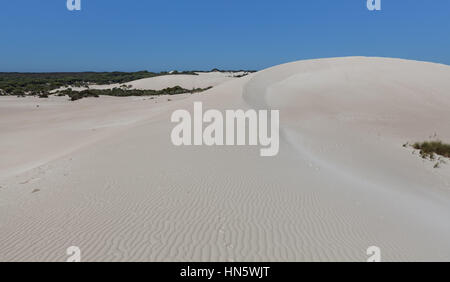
pixel 15 83
pixel 429 149
pixel 121 92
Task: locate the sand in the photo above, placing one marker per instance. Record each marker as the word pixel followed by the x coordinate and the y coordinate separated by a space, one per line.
pixel 341 183
pixel 201 80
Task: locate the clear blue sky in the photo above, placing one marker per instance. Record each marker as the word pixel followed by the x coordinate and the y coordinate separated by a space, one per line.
pixel 131 35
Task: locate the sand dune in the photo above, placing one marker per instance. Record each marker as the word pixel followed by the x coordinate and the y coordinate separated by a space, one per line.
pixel 341 183
pixel 202 80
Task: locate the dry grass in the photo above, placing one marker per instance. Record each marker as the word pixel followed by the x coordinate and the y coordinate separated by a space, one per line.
pixel 431 148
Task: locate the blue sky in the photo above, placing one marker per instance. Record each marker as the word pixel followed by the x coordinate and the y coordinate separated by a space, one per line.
pixel 131 35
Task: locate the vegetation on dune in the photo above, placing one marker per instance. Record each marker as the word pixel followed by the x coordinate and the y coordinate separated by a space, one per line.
pixel 44 84
pixel 219 70
pixel 431 148
pixel 121 92
pixel 38 84
pixel 240 75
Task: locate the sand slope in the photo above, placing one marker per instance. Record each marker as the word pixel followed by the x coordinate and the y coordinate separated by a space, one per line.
pixel 341 183
pixel 201 80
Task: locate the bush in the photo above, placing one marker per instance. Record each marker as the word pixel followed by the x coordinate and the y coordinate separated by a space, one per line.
pixel 121 92
pixel 15 83
pixel 429 149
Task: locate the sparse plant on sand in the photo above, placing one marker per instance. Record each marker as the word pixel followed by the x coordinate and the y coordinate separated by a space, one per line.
pixel 429 149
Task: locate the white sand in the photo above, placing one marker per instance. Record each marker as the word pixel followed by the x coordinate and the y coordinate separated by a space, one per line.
pixel 202 80
pixel 341 183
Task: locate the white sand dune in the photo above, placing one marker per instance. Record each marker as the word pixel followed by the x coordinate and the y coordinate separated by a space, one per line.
pixel 341 183
pixel 201 80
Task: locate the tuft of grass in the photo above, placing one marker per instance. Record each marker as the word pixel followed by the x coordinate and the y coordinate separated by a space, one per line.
pixel 429 149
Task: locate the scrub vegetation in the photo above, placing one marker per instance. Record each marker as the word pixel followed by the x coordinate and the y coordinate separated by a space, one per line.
pixel 120 92
pixel 429 149
pixel 41 84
